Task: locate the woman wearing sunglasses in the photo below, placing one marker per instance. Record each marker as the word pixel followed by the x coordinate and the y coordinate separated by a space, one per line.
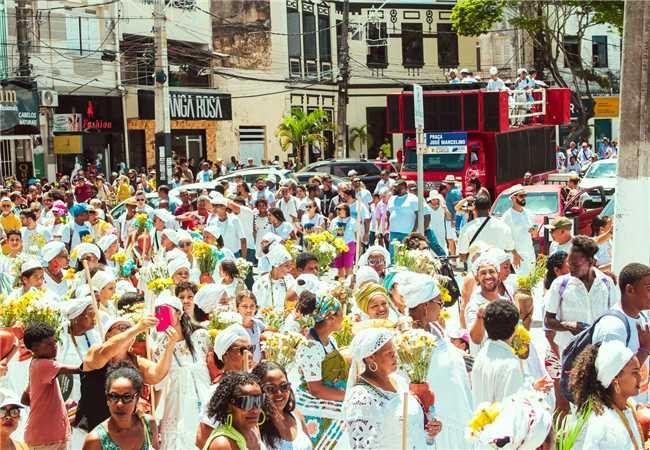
pixel 285 427
pixel 9 418
pixel 312 220
pixel 236 406
pixel 125 428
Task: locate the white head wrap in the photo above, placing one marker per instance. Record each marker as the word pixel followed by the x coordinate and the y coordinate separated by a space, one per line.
pixel 32 263
pixel 418 289
pixel 227 337
pixel 177 264
pixel 167 298
pixel 366 343
pixel 183 235
pixel 101 279
pixel 174 253
pixel 365 274
pixel 51 250
pixel 278 255
pixel 106 241
pixel 171 235
pixel 213 230
pixel 484 259
pixel 308 282
pixel 372 250
pixel 498 255
pixel 75 307
pixel 163 215
pixel 82 290
pixel 124 286
pixel 111 322
pixel 208 297
pixel 271 237
pixel 87 247
pixel 612 357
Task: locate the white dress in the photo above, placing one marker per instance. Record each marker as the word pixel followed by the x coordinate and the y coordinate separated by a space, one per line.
pixel 374 417
pixel 301 442
pixel 182 391
pixel 608 432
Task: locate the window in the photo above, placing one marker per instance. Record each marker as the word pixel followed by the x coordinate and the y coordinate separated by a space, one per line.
pixel 82 34
pixel 571 51
pixel 324 39
pixel 293 29
pixel 309 35
pixel 599 51
pixel 412 54
pixel 377 50
pixel 447 46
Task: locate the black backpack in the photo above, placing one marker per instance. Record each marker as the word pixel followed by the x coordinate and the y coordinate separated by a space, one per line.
pixel 578 344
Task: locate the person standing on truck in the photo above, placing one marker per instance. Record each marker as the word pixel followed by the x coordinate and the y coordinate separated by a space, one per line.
pixel 402 214
pixel 522 229
pixel 495 83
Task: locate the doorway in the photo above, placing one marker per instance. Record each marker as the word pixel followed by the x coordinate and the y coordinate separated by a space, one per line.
pixel 189 144
pixel 376 120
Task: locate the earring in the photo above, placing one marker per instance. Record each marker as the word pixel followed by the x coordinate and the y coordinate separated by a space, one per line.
pixel 617 388
pixel 372 366
pixel 229 420
pixel 260 423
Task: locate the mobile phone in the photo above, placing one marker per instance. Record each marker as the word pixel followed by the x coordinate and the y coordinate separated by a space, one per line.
pixel 165 316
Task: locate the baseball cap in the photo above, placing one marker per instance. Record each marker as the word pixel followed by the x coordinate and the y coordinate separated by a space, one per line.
pixel 559 222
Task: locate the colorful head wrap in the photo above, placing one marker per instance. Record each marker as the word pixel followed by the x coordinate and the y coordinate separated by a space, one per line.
pixel 325 306
pixel 79 208
pixel 368 291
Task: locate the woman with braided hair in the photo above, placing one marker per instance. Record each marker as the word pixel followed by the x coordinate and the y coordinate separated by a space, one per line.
pixel 603 378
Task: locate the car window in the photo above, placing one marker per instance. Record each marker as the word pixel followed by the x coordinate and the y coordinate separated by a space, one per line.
pixel 367 169
pixel 537 203
pixel 603 170
pixel 322 169
pixel 340 170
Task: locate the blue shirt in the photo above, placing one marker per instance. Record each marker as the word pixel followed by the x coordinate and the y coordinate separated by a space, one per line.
pixel 403 212
pixel 453 197
pixel 344 228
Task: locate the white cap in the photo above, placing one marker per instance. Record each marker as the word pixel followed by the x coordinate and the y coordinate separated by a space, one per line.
pixel 101 279
pixel 177 264
pixel 494 70
pixel 464 70
pixel 75 307
pixel 171 235
pixel 612 357
pixel 213 230
pixel 106 241
pixel 169 299
pixel 32 263
pixel 51 250
pixel 352 173
pixel 521 70
pixel 85 248
pixel 8 398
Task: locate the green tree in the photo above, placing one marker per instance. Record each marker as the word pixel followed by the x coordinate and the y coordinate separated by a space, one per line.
pixel 298 130
pixel 546 22
pixel 360 134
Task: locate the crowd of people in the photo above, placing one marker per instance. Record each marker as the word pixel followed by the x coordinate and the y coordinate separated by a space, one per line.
pixel 287 316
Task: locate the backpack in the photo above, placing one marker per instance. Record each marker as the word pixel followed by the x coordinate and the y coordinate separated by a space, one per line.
pixel 578 344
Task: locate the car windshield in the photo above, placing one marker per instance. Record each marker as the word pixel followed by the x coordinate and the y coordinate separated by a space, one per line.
pixel 436 161
pixel 537 203
pixel 606 170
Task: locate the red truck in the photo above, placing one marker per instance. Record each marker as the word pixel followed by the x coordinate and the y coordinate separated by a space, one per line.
pixel 494 136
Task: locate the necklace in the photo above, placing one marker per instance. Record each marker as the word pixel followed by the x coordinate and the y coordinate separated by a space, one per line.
pixel 627 425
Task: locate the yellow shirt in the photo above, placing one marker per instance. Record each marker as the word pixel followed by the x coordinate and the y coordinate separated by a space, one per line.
pixel 9 222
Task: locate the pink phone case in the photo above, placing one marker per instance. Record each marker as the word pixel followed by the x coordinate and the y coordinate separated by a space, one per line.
pixel 164 314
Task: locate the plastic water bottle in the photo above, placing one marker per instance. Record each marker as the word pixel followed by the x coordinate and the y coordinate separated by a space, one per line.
pixel 431 415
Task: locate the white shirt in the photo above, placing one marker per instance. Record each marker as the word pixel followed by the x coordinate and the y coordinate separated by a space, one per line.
pixel 607 431
pixel 289 208
pixel 272 293
pixel 495 234
pixel 262 226
pixel 403 213
pixel 555 247
pixel 496 85
pixel 364 196
pixel 471 313
pixel 576 304
pixel 246 217
pixel 231 232
pixel 383 185
pixel 266 194
pixel 497 373
pixel 520 224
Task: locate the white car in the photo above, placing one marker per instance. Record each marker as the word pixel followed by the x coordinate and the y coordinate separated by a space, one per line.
pixel 601 174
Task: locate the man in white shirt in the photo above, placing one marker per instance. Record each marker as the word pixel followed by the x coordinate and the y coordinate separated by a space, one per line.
pixel 584 155
pixel 402 214
pixel 560 229
pixel 230 228
pixel 361 193
pixel 440 223
pixel 522 228
pixel 634 284
pixel 575 300
pixel 261 191
pixel 205 174
pixel 358 210
pixel 288 204
pixel 495 83
pixel 385 182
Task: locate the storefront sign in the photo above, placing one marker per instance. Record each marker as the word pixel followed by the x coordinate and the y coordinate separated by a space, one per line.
pixel 67 144
pixel 18 108
pixel 606 106
pixel 68 123
pixel 199 106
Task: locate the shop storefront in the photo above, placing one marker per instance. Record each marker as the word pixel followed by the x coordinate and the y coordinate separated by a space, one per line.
pixel 88 131
pixel 195 117
pixel 19 130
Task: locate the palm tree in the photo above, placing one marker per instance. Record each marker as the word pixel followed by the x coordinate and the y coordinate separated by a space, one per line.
pixel 297 130
pixel 360 134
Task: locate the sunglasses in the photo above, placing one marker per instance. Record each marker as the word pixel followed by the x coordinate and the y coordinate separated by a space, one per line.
pixel 14 413
pixel 124 398
pixel 376 260
pixel 248 402
pixel 272 389
pixel 140 199
pixel 245 348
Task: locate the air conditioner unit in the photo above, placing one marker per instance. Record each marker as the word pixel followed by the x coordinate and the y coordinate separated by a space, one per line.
pixel 49 98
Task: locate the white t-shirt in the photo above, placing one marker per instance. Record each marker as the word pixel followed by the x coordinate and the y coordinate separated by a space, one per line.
pixel 246 218
pixel 317 221
pixel 289 208
pixel 364 196
pixel 520 224
pixel 383 185
pixel 403 213
pixel 231 232
pixel 555 247
pixel 495 234
pixel 471 313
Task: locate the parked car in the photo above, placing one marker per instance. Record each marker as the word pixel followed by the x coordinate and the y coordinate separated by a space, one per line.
pixel 118 210
pixel 601 174
pixel 367 170
pixel 303 178
pixel 547 201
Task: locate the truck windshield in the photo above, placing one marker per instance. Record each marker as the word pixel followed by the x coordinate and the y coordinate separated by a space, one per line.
pixel 537 203
pixel 436 161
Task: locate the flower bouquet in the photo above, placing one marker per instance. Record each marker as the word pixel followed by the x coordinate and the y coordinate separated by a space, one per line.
pixel 134 314
pixel 243 267
pixel 292 247
pixel 344 336
pixel 29 308
pixel 35 243
pixel 206 259
pixel 419 261
pixel 521 341
pixel 272 318
pixel 69 274
pixel 87 239
pixel 414 349
pixel 158 285
pixel 221 320
pixel 281 347
pixel 485 414
pixel 326 247
pixel 142 222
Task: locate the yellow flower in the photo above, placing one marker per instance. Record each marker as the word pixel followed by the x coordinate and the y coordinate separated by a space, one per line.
pixel 119 258
pixel 444 314
pixel 73 254
pixel 520 341
pixel 485 414
pixel 88 239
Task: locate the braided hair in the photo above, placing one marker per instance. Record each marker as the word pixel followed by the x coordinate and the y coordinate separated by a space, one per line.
pixel 228 388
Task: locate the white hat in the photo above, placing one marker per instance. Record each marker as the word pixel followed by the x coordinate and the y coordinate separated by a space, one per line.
pixel 75 307
pixel 171 235
pixel 213 230
pixel 208 296
pixel 271 237
pixel 32 263
pixel 513 190
pixel 123 286
pixel 278 255
pixel 174 253
pixel 435 195
pixel 183 235
pixel 494 70
pixel 219 200
pixel 8 398
pixel 163 214
pixel 106 241
pixel 419 289
pixel 612 357
pixel 352 173
pixel 177 264
pixel 366 343
pixel 373 250
pixel 521 70
pixel 51 250
pixel 227 337
pixel 167 298
pixel 498 255
pixel 464 70
pixel 308 282
pixel 101 279
pixel 365 274
pixel 87 247
pixel 112 321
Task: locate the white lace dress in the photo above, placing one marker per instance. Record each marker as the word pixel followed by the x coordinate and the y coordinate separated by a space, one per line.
pixel 181 391
pixel 374 418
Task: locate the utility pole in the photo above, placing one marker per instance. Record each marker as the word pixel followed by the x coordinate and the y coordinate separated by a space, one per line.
pixel 163 152
pixel 343 78
pixel 632 216
pixel 23 22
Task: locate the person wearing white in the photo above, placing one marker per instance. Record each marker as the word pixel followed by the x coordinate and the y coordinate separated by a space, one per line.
pixel 55 255
pixel 575 300
pixel 261 191
pixel 230 228
pixel 288 204
pixel 521 226
pixel 384 183
pixel 495 83
pixel 272 289
pixel 247 218
pixel 439 225
pixel 374 400
pixel 560 229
